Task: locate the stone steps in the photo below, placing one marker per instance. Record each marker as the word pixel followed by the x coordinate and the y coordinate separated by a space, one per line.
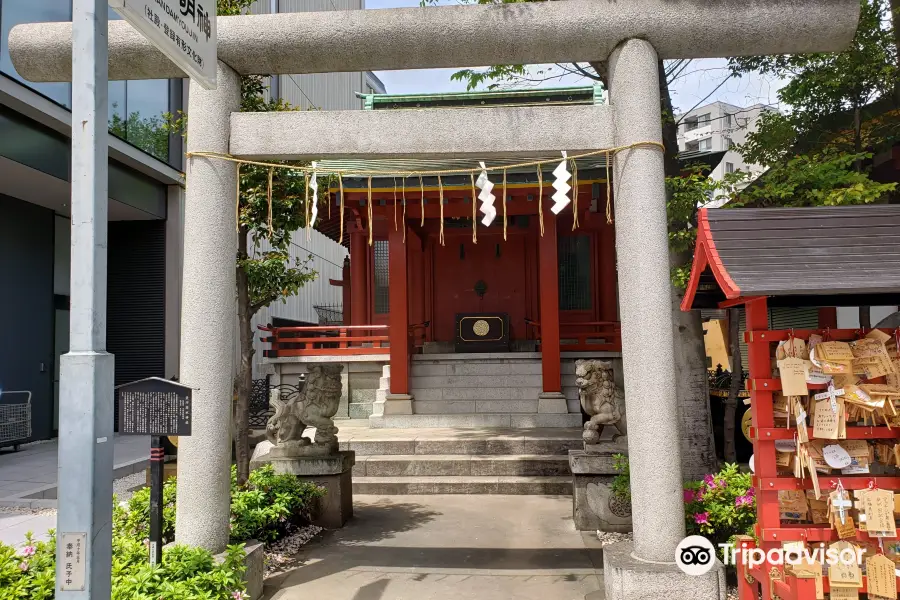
pixel 469 420
pixel 513 485
pixel 478 443
pixel 460 465
pixel 462 461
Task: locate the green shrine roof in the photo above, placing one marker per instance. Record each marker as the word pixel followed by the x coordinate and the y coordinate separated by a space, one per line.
pixel 591 94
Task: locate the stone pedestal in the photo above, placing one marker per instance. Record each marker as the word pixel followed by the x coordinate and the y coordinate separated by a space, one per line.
pixel 628 578
pixel 594 507
pixel 332 471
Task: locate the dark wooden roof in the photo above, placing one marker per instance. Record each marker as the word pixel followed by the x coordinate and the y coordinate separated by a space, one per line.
pixel 825 256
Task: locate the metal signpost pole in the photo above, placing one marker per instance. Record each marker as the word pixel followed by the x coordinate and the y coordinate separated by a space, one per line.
pixel 84 522
pixel 157 459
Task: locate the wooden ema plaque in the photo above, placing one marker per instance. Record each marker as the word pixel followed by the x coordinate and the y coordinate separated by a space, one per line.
pixel 154 406
pixel 857 438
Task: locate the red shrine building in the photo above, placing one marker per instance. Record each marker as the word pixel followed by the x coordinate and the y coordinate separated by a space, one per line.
pixel 466 324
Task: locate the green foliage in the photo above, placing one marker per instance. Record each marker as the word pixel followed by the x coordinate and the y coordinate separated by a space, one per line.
pixel 150 134
pixel 270 504
pixel 29 572
pixel 265 509
pixel 824 86
pixel 721 506
pixel 621 483
pixel 684 195
pixel 824 179
pixel 268 508
pixel 185 573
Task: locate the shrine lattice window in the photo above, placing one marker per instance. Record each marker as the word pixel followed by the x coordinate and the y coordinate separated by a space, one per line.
pixel 575 272
pixel 382 278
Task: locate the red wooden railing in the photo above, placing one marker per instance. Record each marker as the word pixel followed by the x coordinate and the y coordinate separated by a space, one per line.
pixel 326 340
pixel 585 336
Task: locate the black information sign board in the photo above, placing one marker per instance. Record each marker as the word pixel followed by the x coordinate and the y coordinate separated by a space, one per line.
pixel 156 407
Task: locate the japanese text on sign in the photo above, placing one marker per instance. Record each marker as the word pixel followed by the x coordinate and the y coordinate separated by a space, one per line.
pixel 74 568
pixel 185 30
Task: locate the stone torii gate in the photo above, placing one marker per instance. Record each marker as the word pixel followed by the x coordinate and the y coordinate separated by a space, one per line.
pixel 632 35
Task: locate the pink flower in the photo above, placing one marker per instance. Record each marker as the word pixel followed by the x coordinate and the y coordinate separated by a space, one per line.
pixel 237 595
pixel 28 551
pixel 709 481
pixel 742 501
pixel 689 495
pixel 722 484
pixel 751 492
pixel 23 566
pixel 701 518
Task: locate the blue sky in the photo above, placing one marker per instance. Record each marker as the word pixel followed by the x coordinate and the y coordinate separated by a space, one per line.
pixel 699 79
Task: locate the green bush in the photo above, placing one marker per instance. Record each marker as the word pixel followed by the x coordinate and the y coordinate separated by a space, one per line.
pixel 269 507
pixel 721 506
pixel 621 483
pixel 185 573
pixel 266 509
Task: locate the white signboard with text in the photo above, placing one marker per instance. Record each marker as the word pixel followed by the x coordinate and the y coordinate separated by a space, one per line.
pixel 184 30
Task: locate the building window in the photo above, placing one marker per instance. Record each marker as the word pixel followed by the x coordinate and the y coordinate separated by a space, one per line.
pixel 729 167
pixel 574 272
pixel 729 143
pixel 728 120
pixel 382 278
pixel 692 147
pixel 705 144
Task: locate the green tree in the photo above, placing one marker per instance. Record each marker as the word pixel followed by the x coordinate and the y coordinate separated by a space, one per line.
pixel 265 272
pixel 836 101
pixel 150 134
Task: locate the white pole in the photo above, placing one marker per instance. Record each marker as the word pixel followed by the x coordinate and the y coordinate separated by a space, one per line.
pixel 86 371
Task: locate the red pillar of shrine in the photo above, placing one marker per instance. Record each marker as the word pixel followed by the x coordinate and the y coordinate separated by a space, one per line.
pixel 552 400
pixel 346 297
pixel 607 274
pixel 359 265
pixel 398 320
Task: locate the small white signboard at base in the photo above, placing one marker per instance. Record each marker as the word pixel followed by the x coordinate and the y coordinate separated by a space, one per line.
pixel 183 30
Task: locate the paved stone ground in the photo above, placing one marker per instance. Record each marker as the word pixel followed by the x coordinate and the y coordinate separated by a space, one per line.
pixel 449 547
pixel 33 468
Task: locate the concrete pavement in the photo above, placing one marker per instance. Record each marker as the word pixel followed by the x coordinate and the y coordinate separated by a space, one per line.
pixel 31 472
pixel 449 547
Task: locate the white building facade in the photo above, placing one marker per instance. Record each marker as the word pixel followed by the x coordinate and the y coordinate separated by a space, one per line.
pixel 718 127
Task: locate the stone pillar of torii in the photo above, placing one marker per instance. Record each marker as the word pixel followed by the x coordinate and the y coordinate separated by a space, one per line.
pixel 631 35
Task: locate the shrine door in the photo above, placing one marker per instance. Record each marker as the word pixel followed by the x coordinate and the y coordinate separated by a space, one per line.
pixel 495 267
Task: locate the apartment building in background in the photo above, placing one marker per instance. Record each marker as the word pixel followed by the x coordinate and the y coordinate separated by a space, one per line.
pixel 718 127
pixel 146 207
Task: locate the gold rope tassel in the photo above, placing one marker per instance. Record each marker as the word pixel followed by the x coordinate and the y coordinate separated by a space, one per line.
pixel 540 199
pixel 341 192
pixel 574 195
pixel 306 208
pixel 609 220
pixel 395 204
pixel 269 200
pixel 404 208
pixel 504 205
pixel 474 214
pixel 369 202
pixel 422 205
pixel 441 203
pixel 237 201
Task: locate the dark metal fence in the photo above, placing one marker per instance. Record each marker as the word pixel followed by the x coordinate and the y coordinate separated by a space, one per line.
pixel 260 396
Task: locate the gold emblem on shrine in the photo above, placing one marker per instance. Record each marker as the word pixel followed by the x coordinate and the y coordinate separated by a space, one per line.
pixel 481 328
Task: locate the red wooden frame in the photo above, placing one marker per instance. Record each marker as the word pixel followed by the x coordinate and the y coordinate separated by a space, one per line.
pixel 705 255
pixel 769 530
pixel 325 340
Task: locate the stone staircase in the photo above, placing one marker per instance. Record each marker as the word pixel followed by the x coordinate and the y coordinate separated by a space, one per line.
pixel 462 461
pixel 475 390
